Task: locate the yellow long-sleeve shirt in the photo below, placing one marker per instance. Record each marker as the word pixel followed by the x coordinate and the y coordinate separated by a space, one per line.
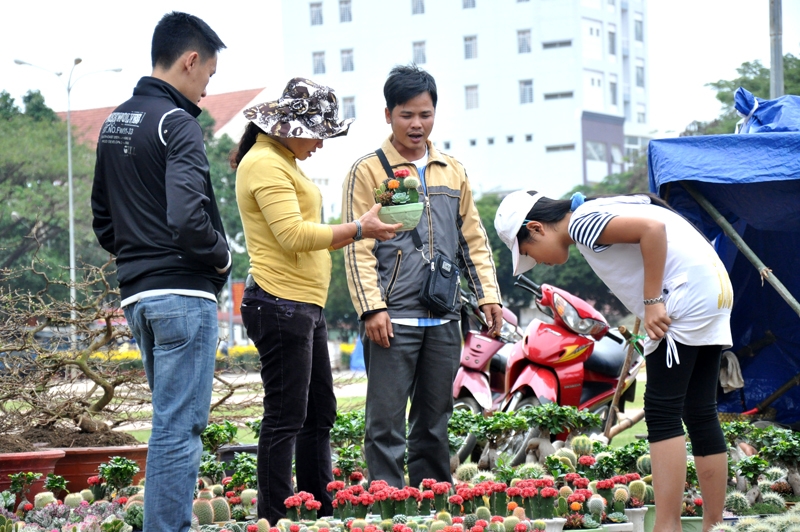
pixel 281 214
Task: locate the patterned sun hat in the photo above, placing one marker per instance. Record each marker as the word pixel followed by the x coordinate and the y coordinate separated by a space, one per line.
pixel 305 110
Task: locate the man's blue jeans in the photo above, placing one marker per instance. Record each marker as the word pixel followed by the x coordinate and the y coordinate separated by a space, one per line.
pixel 177 337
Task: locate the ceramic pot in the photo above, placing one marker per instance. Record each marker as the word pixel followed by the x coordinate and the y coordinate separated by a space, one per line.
pixel 43 462
pixel 80 463
pixel 227 453
pixel 555 524
pixel 692 524
pixel 618 527
pixel 407 214
pixel 650 518
pixel 636 518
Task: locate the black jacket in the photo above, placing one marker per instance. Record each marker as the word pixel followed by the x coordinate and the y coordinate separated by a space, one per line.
pixel 152 200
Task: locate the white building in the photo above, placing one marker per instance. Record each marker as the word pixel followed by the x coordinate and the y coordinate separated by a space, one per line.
pixel 538 94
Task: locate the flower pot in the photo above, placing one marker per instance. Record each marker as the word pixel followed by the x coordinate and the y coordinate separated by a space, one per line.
pixel 555 524
pixel 650 518
pixel 80 463
pixel 227 453
pixel 43 462
pixel 618 527
pixel 692 524
pixel 636 518
pixel 407 214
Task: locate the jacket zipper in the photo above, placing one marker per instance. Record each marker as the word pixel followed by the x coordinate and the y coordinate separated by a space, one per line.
pixel 395 273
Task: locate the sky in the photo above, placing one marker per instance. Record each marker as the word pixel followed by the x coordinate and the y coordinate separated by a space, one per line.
pixel 691 43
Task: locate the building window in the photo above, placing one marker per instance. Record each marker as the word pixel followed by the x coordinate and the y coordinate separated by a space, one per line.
pixel 468 4
pixel 612 43
pixel 471 47
pixel 638 30
pixel 526 91
pixel 471 94
pixel 490 141
pixel 510 139
pixel 417 7
pixel 558 95
pixel 347 60
pixel 528 138
pixel 641 114
pixel 316 13
pixel 345 11
pixel 612 89
pixel 472 142
pixel 319 62
pixel 524 41
pixel 349 107
pixel 556 44
pixel 560 147
pixel 446 145
pixel 595 151
pixel 419 52
pixel 640 75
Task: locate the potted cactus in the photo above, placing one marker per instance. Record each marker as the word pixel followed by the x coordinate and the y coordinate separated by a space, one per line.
pixel 400 200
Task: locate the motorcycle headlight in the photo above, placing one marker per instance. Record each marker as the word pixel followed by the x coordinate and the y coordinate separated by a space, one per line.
pixel 573 320
pixel 510 333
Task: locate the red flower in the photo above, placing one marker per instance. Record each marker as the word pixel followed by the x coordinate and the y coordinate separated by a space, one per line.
pixel 398 527
pixel 121 500
pixel 586 493
pixel 402 172
pixel 481 523
pixel 548 493
pixel 427 494
pixel 440 488
pixel 235 500
pixel 527 493
pixel 226 481
pixel 368 528
pixel 497 519
pixel 570 477
pixel 335 485
pixel 337 472
pixel 476 528
pixel 293 502
pixel 456 499
pixel 698 501
pixel 366 499
pixel 605 484
pixel 458 519
pixel 252 528
pixel 581 483
pixel 28 507
pixel 520 527
pixel 356 529
pixel 514 491
pixel 305 496
pixel 377 485
pixel 294 528
pixel 586 460
pixel 499 487
pixel 576 497
pixel 543 482
pixel 94 481
pixel 427 483
pixel 400 495
pixel 358 489
pixel 633 476
pixel 230 494
pixel 356 476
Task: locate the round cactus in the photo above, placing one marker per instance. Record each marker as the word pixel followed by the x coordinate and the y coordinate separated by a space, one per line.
pixel 399 519
pixel 776 473
pixel 643 464
pixel 582 445
pixel 636 489
pixel 73 500
pixel 42 499
pixel 565 491
pixel 482 476
pixel 206 494
pixel 446 517
pixel 773 499
pixel 386 525
pixel 567 463
pixel 247 497
pixel 538 524
pixel 217 490
pixel 510 522
pixel 221 508
pixel 533 470
pixel 519 513
pixel 569 453
pixel 649 495
pixel 482 512
pixel 737 502
pixel 621 495
pixel 203 510
pixel 438 526
pixel 465 472
pixel 358 523
pixel 595 505
pixel 87 495
pixel 496 526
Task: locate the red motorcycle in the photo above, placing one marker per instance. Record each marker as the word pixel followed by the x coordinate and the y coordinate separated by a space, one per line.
pixel 573 361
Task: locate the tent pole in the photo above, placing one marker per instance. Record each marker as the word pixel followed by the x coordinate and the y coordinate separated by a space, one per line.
pixel 765 272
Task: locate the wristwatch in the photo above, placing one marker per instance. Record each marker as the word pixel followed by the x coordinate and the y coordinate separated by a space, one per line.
pixel 358 236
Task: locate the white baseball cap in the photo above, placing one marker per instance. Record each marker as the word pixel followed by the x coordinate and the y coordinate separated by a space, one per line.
pixel 511 215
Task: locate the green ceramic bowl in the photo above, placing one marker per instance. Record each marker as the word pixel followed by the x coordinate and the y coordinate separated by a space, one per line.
pixel 407 214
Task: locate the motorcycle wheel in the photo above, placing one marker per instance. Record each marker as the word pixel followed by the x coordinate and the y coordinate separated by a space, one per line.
pixel 470 446
pixel 516 443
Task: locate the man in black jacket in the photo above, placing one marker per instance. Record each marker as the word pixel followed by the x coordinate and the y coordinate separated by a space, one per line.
pixel 154 209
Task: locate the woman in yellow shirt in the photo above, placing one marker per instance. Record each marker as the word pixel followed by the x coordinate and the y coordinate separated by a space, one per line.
pixel 290 270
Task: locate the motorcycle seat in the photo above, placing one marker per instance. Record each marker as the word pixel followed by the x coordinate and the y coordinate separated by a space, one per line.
pixel 498 363
pixel 607 358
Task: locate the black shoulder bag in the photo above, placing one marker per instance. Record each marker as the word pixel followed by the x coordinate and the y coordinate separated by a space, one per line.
pixel 440 288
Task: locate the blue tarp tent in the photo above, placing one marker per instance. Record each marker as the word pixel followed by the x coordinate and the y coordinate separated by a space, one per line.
pixel 754 182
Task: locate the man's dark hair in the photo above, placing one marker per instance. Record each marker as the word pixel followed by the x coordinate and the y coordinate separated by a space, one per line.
pixel 177 33
pixel 407 82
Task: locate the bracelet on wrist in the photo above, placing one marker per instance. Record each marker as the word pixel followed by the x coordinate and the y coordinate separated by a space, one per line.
pixel 358 236
pixel 654 301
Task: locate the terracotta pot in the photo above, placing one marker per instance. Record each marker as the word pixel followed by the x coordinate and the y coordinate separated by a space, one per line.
pixel 80 463
pixel 34 462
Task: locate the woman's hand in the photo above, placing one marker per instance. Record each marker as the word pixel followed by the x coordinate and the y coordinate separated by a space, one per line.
pixel 373 227
pixel 656 321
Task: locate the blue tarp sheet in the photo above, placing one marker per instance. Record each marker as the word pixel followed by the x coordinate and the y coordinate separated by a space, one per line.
pixel 754 181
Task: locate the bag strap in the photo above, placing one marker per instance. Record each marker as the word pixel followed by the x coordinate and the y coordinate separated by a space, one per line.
pixel 388 168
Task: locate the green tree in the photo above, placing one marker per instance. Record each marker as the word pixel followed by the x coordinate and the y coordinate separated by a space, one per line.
pixel 754 77
pixel 34 193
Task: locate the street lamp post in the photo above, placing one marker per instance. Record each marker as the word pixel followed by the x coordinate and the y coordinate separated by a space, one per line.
pixel 72 282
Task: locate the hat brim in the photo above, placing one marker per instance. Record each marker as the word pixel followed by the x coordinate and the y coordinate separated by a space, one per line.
pixel 522 263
